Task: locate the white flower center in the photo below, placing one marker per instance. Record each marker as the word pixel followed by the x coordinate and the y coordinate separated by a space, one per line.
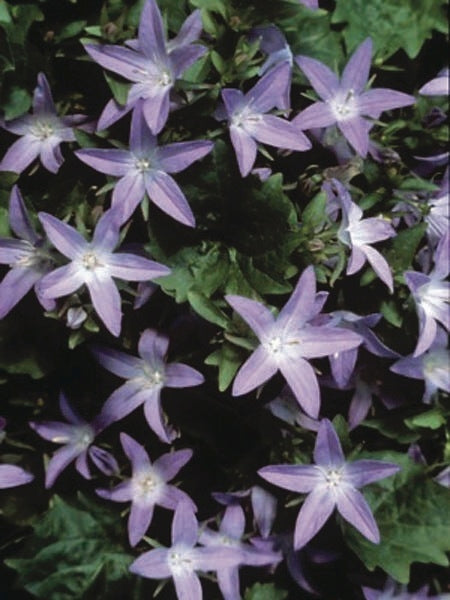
pixel 142 165
pixel 333 478
pixel 344 107
pixel 147 483
pixel 42 130
pixel 274 345
pixel 227 541
pixel 245 117
pixel 179 563
pixel 165 78
pixel 152 377
pixel 85 437
pixel 90 261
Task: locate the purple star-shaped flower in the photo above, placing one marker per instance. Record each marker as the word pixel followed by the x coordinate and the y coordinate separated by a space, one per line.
pixel 28 258
pixel 42 133
pixel 95 264
pixel 249 124
pixel 330 483
pixel 358 233
pixel 146 377
pixel 144 168
pixel 148 486
pixel 183 558
pixel 77 436
pixel 151 63
pixel 431 366
pixel 229 535
pixel 344 102
pixel 432 296
pixel 289 339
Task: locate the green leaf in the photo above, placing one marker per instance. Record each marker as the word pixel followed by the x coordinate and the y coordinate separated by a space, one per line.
pixel 228 358
pixel 413 515
pixel 207 309
pixel 403 248
pixel 391 313
pixel 314 215
pixel 16 103
pixel 74 546
pixel 392 24
pixel 118 87
pixel 430 419
pixel 265 591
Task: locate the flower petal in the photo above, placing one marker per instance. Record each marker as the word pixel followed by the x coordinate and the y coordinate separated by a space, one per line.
pixel 279 133
pixel 313 514
pixel 362 472
pixel 257 369
pixel 233 522
pixel 297 478
pixel 170 463
pixel 141 515
pixel 356 72
pixel 318 114
pixel 303 382
pixel 137 454
pixel 106 301
pixel 153 564
pixel 11 476
pixel 328 450
pixel 42 97
pixel 112 162
pixel 299 308
pixel 50 154
pixel 132 267
pixel 121 364
pixel 18 217
pixel 14 286
pixel 352 505
pixel 122 402
pixel 258 317
pixel 21 154
pixel 187 586
pixel 165 193
pixel 64 237
pixel 323 80
pixel 127 194
pixel 174 158
pixel 356 131
pixel 156 109
pixel 151 32
pixel 380 265
pixel 61 282
pixel 264 95
pixel 123 61
pixel 245 148
pixel 179 375
pixel 184 525
pixel 156 419
pixel 373 102
pixel 59 461
pixel 153 346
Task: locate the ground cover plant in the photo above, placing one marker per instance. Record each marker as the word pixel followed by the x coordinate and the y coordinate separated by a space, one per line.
pixel 224 299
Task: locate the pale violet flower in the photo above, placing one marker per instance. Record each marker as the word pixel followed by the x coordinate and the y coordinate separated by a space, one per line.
pixel 344 102
pixel 94 264
pixel 41 133
pixel 330 483
pixel 148 486
pixel 439 86
pixel 12 475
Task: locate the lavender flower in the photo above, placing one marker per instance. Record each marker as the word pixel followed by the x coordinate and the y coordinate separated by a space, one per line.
pixel 432 296
pixel 11 475
pixel 313 4
pixel 183 558
pixel 152 63
pixel 146 377
pixel 431 366
pixel 28 258
pixel 285 342
pixel 94 264
pixel 330 483
pixel 229 535
pixel 358 233
pixel 148 486
pixel 439 86
pixel 77 436
pixel 42 133
pixel 438 216
pixel 344 102
pixel 249 124
pixel 144 168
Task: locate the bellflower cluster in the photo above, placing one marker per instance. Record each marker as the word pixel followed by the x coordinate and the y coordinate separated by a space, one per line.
pixel 330 483
pixel 41 133
pixel 285 342
pixel 151 63
pixel 344 102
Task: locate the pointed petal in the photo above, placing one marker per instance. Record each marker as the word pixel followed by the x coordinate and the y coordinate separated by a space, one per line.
pixel 141 515
pixel 132 267
pixel 380 265
pixel 359 406
pixel 120 493
pixel 184 525
pixel 373 102
pixel 123 61
pixel 257 369
pixel 136 453
pixel 342 366
pixel 14 286
pixel 352 505
pixel 297 478
pixel 61 282
pixel 356 260
pixel 151 31
pixel 103 460
pixel 157 420
pixel 59 461
pixel 189 31
pixel 228 581
pixel 121 364
pixel 427 332
pixel 356 72
pixel 279 133
pixel 362 472
pixel 153 564
pixel 19 126
pixel 128 193
pixel 18 217
pixel 50 154
pixel 299 308
pixel 10 476
pixel 245 148
pixel 318 114
pixel 21 154
pixel 64 237
pixel 182 58
pixel 356 131
pixel 166 194
pixel 106 233
pixel 233 522
pixel 179 375
pixel 106 301
pixel 170 463
pixel 53 431
pixel 42 97
pixel 313 514
pixel 264 507
pixel 13 251
pixel 187 586
pixel 174 158
pixel 328 450
pixel 323 80
pixel 264 95
pixel 68 411
pixel 81 465
pixel 233 100
pixel 258 317
pixel 439 86
pixel 153 346
pixel 112 113
pixel 112 162
pixel 315 342
pixel 170 497
pixel 156 109
pixel 303 382
pixel 122 402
